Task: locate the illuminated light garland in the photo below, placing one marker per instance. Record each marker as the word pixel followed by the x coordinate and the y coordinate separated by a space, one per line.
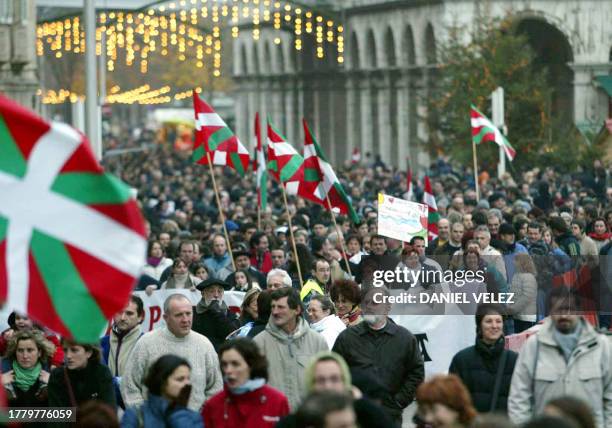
pixel 172 27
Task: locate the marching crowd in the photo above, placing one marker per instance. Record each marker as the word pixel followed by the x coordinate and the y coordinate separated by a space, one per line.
pixel 314 345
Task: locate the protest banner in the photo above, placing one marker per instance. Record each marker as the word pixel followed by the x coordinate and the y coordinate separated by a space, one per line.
pixel 401 219
pixel 440 337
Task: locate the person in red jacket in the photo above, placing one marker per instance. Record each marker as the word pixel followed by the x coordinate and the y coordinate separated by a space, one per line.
pixel 246 401
pixel 261 259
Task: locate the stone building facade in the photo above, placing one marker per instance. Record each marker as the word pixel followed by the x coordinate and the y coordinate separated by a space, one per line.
pixel 373 101
pixel 18 62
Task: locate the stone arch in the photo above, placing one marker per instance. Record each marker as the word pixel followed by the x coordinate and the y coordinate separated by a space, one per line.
pixel 280 59
pixel 408 51
pixel 354 56
pixel 430 47
pixel 243 69
pixel 255 52
pixel 553 53
pixel 390 53
pixel 370 50
pixel 267 66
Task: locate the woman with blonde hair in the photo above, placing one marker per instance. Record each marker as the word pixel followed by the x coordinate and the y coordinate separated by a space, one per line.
pixel 524 285
pixel 25 369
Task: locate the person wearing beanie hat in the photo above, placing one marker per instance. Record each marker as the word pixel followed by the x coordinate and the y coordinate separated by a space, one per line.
pixel 480 365
pixel 212 318
pixel 483 204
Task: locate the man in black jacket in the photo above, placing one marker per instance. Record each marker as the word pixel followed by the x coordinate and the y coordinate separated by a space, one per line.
pixel 212 317
pixel 386 350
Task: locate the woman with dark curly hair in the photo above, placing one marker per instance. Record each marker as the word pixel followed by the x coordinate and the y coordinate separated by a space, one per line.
pixel 25 369
pixel 346 295
pixel 445 403
pixel 246 401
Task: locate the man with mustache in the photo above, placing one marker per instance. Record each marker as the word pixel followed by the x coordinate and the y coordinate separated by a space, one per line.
pixel 384 349
pixel 213 318
pixel 566 357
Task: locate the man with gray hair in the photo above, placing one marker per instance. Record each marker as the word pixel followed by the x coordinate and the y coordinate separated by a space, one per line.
pixel 488 253
pixel 278 278
pixel 177 338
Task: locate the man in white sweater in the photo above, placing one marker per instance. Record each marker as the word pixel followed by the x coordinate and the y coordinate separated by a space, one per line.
pixel 176 338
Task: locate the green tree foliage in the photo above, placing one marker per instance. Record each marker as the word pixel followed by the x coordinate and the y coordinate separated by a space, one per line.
pixel 495 55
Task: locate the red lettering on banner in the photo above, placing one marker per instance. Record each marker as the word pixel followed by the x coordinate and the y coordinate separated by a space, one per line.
pixel 154 315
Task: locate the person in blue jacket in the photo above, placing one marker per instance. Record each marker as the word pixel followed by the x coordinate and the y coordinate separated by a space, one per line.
pixel 169 385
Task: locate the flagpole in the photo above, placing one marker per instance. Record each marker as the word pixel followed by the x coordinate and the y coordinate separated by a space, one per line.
pixel 475 171
pixel 297 258
pixel 212 174
pixel 259 216
pixel 340 234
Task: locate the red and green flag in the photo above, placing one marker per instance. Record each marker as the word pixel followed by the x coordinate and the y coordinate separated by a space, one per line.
pixel 483 130
pixel 215 137
pixel 318 169
pixel 260 168
pixel 72 239
pixel 286 165
pixel 432 216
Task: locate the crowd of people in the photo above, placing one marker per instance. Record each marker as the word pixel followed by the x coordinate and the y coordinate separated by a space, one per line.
pixel 314 345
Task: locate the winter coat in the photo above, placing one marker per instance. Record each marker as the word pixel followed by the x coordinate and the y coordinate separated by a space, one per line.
pixel 216 325
pixel 525 289
pixel 392 355
pixel 542 374
pixel 288 357
pixel 154 413
pixel 94 382
pixel 329 327
pixel 261 408
pixel 477 367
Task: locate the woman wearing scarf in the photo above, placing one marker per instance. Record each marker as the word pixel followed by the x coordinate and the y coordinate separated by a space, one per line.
pixel 156 262
pixel 180 277
pixel 246 401
pixel 600 233
pixel 25 370
pixel 346 295
pixel 486 368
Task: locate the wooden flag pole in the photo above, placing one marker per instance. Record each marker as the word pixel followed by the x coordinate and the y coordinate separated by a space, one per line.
pixel 212 174
pixel 258 216
pixel 295 253
pixel 475 171
pixel 340 234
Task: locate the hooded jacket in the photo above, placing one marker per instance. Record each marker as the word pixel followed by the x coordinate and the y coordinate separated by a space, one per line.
pixel 368 413
pixel 288 356
pixel 542 374
pixel 329 327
